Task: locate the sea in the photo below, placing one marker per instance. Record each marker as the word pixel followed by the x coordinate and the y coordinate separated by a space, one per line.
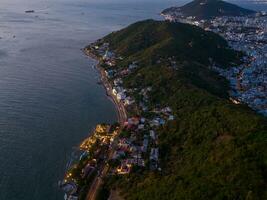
pixel 49 96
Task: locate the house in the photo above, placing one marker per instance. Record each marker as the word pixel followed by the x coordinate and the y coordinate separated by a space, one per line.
pixel 152 134
pixel 88 170
pixel 108 55
pixel 124 144
pixel 161 121
pixel 71 197
pixel 154 158
pixel 84 154
pixel 143 120
pixel 128 101
pixel 124 72
pixel 118 154
pixel 117 90
pixel 141 162
pixel 69 187
pixel 141 126
pixel 134 149
pixel 145 144
pixel 132 123
pixel 121 96
pixel 134 120
pixel 109 73
pixel 154 123
pixel 111 63
pixel 114 91
pixel 171 118
pixel 124 168
pixel 234 101
pixel 157 122
pixel 132 66
pixel 105 45
pixel 117 82
pixel 166 110
pixel 153 165
pixel 154 154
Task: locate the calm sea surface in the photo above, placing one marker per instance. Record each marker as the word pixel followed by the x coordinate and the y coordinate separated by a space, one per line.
pixel 49 97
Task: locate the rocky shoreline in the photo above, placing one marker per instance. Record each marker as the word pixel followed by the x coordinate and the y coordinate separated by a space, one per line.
pixel 122 116
pixel 84 177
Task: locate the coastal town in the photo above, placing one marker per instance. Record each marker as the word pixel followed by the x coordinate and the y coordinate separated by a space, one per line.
pixel 138 141
pixel 247 34
pixel 122 147
pixel 133 100
pixel 132 144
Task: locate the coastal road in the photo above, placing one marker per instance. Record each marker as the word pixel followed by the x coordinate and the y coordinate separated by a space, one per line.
pixel 98 181
pixel 122 117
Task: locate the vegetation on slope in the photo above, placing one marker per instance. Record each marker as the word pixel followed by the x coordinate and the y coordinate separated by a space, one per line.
pixel 206 9
pixel 150 40
pixel 214 149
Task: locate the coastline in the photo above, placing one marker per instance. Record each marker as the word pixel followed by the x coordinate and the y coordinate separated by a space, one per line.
pixel 143 139
pixel 93 160
pixel 122 117
pixel 121 112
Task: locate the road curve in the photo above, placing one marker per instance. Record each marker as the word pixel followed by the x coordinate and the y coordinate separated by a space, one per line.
pixel 122 117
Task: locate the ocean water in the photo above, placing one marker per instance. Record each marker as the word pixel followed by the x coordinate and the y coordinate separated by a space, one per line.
pixel 49 96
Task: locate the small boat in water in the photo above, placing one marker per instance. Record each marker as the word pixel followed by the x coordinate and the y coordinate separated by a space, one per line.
pixel 29 11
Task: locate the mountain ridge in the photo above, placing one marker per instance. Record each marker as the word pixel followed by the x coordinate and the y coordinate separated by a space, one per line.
pixel 207 9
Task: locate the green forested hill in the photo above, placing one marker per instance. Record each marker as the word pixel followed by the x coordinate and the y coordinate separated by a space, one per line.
pixel 214 149
pixel 150 40
pixel 206 9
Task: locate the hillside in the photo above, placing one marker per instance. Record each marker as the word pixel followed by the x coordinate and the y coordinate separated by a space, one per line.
pixel 206 9
pixel 213 149
pixel 150 40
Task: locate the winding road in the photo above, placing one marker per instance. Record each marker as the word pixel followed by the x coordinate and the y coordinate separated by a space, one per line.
pixel 122 117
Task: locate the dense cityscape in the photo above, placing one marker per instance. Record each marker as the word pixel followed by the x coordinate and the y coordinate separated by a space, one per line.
pixel 248 34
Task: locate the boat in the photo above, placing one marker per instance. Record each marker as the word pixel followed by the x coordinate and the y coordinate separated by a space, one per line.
pixel 29 11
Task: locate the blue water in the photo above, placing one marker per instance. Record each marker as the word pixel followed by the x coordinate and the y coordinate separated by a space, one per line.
pixel 49 96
